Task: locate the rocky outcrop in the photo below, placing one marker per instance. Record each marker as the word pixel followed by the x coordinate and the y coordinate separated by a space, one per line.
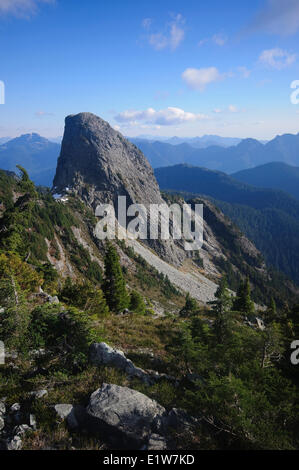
pixel 102 354
pixel 101 164
pixel 127 416
pixel 98 164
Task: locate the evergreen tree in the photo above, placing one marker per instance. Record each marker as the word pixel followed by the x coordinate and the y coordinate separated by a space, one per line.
pixel 271 312
pixel 243 302
pixel 114 285
pixel 190 308
pixel 136 302
pixel 221 308
pixel 86 296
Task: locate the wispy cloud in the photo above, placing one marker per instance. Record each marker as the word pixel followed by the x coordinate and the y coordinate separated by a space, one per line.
pixel 278 17
pixel 277 58
pixel 165 117
pixel 43 113
pixel 146 23
pixel 171 37
pixel 219 39
pixel 21 8
pixel 231 109
pixel 198 79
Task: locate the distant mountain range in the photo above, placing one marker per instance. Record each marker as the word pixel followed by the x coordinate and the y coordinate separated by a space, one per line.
pixel 196 142
pixel 246 154
pixel 39 155
pixel 270 218
pixel 35 153
pixel 3 140
pixel 275 175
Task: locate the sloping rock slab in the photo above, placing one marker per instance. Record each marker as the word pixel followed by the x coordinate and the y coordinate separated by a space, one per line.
pixel 127 418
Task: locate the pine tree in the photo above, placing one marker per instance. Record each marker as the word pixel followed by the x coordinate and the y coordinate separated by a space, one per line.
pixel 271 312
pixel 221 308
pixel 114 285
pixel 190 308
pixel 243 302
pixel 136 302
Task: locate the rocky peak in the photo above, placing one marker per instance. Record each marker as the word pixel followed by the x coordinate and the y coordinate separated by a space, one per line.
pixel 99 164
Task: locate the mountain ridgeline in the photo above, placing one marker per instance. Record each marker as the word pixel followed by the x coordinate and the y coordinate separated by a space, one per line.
pixel 246 154
pixel 33 152
pixel 275 175
pixel 270 218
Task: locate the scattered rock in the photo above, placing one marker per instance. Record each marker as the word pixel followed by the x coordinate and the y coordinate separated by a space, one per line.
pixel 75 416
pixel 2 408
pixel 32 422
pixel 124 415
pixel 156 442
pixel 53 300
pixel 255 322
pixel 15 408
pixel 21 430
pixel 14 444
pixel 39 393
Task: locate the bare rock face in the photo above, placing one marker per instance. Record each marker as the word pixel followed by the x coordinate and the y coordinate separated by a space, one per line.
pixel 102 165
pixel 99 165
pixel 125 415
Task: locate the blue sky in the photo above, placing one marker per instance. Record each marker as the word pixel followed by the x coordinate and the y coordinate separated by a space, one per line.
pixel 165 68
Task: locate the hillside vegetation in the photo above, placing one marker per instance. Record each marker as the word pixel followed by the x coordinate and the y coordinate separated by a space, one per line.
pixel 234 378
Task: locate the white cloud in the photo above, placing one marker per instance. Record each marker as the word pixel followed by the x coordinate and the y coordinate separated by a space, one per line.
pixel 278 17
pixel 171 37
pixel 165 117
pixel 277 58
pixel 23 8
pixel 219 39
pixel 198 79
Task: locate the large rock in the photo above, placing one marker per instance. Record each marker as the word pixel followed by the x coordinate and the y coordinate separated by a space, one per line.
pixel 103 354
pixel 99 164
pixel 73 414
pixel 126 417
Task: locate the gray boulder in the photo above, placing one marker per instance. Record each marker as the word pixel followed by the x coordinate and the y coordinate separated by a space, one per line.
pixel 128 417
pixel 102 354
pixel 39 393
pixel 73 414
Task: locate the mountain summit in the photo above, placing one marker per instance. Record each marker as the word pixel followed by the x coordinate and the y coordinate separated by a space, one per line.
pixel 96 156
pixel 99 164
